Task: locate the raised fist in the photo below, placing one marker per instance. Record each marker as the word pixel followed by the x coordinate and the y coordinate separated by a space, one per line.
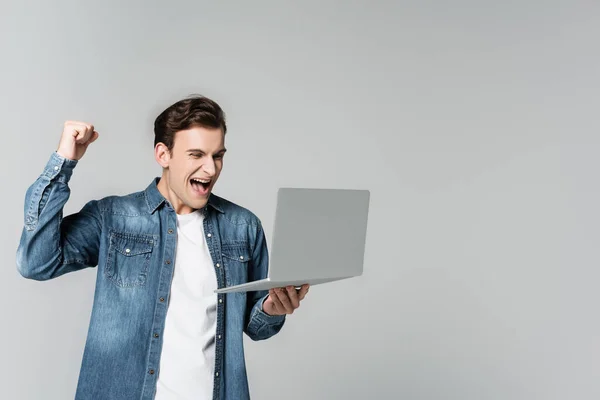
pixel 75 139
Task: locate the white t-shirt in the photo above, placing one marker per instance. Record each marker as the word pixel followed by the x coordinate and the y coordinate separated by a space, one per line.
pixel 188 352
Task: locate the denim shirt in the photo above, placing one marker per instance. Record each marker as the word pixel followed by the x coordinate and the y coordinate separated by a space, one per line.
pixel 132 240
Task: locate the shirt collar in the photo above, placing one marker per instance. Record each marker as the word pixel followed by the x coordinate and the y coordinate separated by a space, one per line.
pixel 155 199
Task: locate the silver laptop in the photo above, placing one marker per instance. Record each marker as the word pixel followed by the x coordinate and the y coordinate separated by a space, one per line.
pixel 319 236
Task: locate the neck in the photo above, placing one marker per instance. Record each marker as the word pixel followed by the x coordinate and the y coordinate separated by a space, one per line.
pixel 176 203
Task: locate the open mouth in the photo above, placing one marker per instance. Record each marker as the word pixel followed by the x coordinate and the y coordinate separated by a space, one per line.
pixel 200 186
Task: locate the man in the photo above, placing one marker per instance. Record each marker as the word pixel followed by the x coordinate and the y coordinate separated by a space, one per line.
pixel 157 329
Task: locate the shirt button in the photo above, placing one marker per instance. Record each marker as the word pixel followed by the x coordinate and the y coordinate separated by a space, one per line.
pixel 241 257
pixel 168 262
pixel 156 335
pixel 217 374
pixel 162 299
pixel 218 265
pixel 56 168
pixel 220 300
pixel 170 231
pixel 209 235
pixel 151 372
pixel 127 251
pixel 219 336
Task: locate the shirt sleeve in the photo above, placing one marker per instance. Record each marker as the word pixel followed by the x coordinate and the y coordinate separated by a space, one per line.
pixel 260 325
pixel 51 245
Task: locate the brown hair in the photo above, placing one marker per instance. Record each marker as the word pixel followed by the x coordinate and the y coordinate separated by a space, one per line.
pixel 196 111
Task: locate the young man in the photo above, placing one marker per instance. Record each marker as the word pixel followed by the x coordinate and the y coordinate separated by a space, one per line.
pixel 157 329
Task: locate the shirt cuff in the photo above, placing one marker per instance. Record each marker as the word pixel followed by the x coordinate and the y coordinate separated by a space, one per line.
pixel 59 167
pixel 265 318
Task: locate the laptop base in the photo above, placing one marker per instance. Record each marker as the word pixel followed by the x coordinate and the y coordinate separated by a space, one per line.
pixel 266 284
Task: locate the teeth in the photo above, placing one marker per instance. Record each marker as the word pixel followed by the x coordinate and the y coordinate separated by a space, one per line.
pixel 201 180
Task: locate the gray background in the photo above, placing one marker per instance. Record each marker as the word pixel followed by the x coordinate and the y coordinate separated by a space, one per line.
pixel 473 123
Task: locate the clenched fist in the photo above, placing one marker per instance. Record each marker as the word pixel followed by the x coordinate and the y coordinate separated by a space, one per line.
pixel 75 139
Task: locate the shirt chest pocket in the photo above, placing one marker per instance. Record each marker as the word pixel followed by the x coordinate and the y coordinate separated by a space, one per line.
pixel 128 259
pixel 236 260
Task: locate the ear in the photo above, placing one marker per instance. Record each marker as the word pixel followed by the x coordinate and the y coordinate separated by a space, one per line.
pixel 162 155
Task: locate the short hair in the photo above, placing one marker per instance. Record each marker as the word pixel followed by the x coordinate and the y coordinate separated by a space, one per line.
pixel 196 111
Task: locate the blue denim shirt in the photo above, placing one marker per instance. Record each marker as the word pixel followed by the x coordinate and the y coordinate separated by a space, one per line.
pixel 132 240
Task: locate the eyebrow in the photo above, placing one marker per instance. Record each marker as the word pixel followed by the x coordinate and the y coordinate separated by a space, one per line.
pixel 223 150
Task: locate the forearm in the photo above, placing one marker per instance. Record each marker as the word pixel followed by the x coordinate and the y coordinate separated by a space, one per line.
pixel 41 252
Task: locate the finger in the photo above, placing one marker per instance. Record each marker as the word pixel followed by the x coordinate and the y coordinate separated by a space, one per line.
pixel 303 291
pixel 89 132
pixel 78 130
pixel 84 132
pixel 94 137
pixel 293 296
pixel 276 302
pixel 73 122
pixel 285 300
pixel 80 133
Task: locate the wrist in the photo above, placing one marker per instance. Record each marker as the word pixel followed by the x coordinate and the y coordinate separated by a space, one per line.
pixel 66 155
pixel 267 308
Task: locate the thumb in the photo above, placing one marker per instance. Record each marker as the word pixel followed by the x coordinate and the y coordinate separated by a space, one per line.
pixel 95 136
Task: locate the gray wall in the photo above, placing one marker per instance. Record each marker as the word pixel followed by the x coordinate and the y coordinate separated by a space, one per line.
pixel 472 123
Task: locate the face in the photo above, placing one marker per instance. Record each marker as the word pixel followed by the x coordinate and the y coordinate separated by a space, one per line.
pixel 192 168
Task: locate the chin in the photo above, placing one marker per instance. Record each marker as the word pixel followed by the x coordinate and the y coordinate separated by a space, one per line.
pixel 198 204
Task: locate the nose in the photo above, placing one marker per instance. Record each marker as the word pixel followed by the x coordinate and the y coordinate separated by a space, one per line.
pixel 209 166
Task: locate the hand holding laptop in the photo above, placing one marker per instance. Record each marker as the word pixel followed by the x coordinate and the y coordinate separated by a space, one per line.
pixel 284 300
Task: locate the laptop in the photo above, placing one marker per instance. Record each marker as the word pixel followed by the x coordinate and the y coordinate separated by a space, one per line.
pixel 319 236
